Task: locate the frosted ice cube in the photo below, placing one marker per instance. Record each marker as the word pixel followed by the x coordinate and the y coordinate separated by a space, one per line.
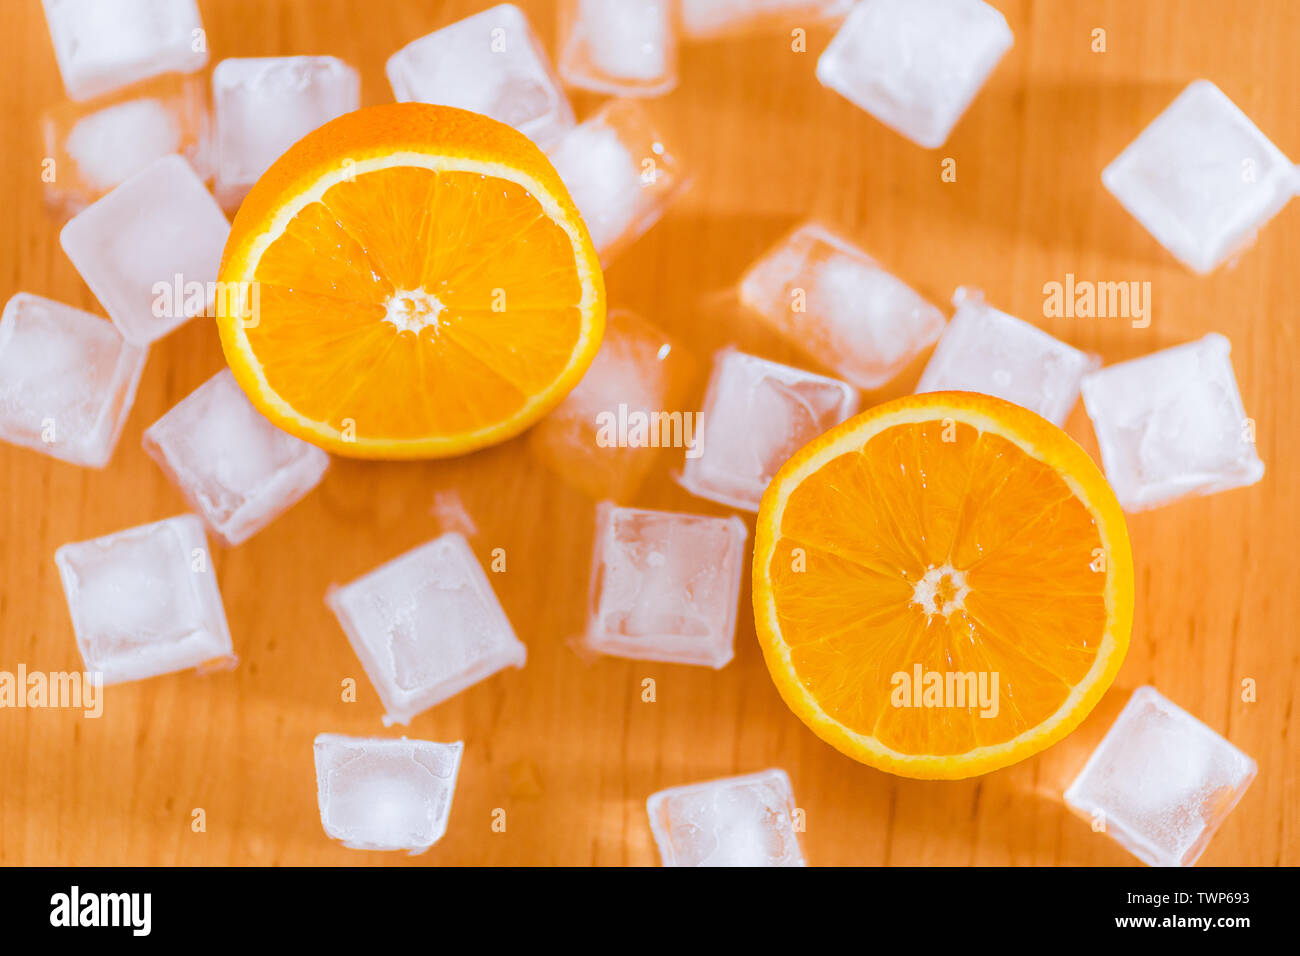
pixel 491 63
pixel 144 601
pixel 620 174
pixel 734 821
pixel 915 65
pixel 378 793
pixel 426 625
pixel 235 468
pixel 756 415
pixel 263 105
pixel 706 19
pixel 103 46
pixel 1202 178
pixel 985 350
pixel 1171 424
pixel 605 436
pixel 664 585
pixel 836 303
pixel 98 145
pixel 67 380
pixel 158 230
pixel 1161 782
pixel 624 47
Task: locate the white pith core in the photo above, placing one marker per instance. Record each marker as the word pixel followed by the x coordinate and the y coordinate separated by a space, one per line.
pixel 942 591
pixel 412 310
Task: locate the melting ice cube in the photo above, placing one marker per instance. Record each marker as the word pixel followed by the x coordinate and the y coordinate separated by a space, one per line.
pixel 1171 424
pixel 756 415
pixel 426 625
pixel 665 585
pixel 735 821
pixel 1161 781
pixel 67 380
pixel 144 601
pixel 383 794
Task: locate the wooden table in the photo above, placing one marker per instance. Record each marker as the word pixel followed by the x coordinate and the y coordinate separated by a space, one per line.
pixel 568 749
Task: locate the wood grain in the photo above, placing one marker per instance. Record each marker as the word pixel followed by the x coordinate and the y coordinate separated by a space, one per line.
pixel 567 748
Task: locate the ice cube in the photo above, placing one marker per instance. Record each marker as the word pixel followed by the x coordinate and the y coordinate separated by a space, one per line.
pixel 836 303
pixel 620 174
pixel 734 821
pixel 664 585
pixel 158 234
pixel 1171 424
pixel 707 19
pixel 426 625
pixel 756 415
pixel 490 63
pixel 98 145
pixel 605 436
pixel 378 793
pixel 1202 178
pixel 624 47
pixel 144 601
pixel 915 65
pixel 264 105
pixel 103 46
pixel 67 380
pixel 985 350
pixel 1161 782
pixel 235 468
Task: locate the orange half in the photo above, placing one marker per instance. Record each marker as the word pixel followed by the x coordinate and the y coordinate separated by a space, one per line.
pixel 410 281
pixel 943 585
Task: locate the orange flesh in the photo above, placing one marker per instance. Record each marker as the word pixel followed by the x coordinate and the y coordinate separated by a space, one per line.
pixel 503 322
pixel 873 523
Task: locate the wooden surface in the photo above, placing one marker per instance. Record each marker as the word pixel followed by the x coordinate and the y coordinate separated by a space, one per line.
pixel 567 749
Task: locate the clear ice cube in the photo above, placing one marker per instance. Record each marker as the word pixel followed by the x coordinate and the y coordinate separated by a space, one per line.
pixel 263 105
pixel 915 65
pixel 734 821
pixel 664 585
pixel 624 47
pixel 159 230
pixel 378 793
pixel 491 63
pixel 620 174
pixel 607 433
pixel 756 415
pixel 144 601
pixel 103 46
pixel 67 380
pixel 835 302
pixel 985 350
pixel 708 19
pixel 1202 178
pixel 1160 782
pixel 426 625
pixel 1171 424
pixel 99 145
pixel 235 468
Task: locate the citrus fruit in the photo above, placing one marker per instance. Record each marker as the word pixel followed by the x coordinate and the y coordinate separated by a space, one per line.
pixel 410 281
pixel 943 585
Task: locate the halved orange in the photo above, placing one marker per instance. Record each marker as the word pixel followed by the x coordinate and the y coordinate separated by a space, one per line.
pixel 943 585
pixel 410 281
